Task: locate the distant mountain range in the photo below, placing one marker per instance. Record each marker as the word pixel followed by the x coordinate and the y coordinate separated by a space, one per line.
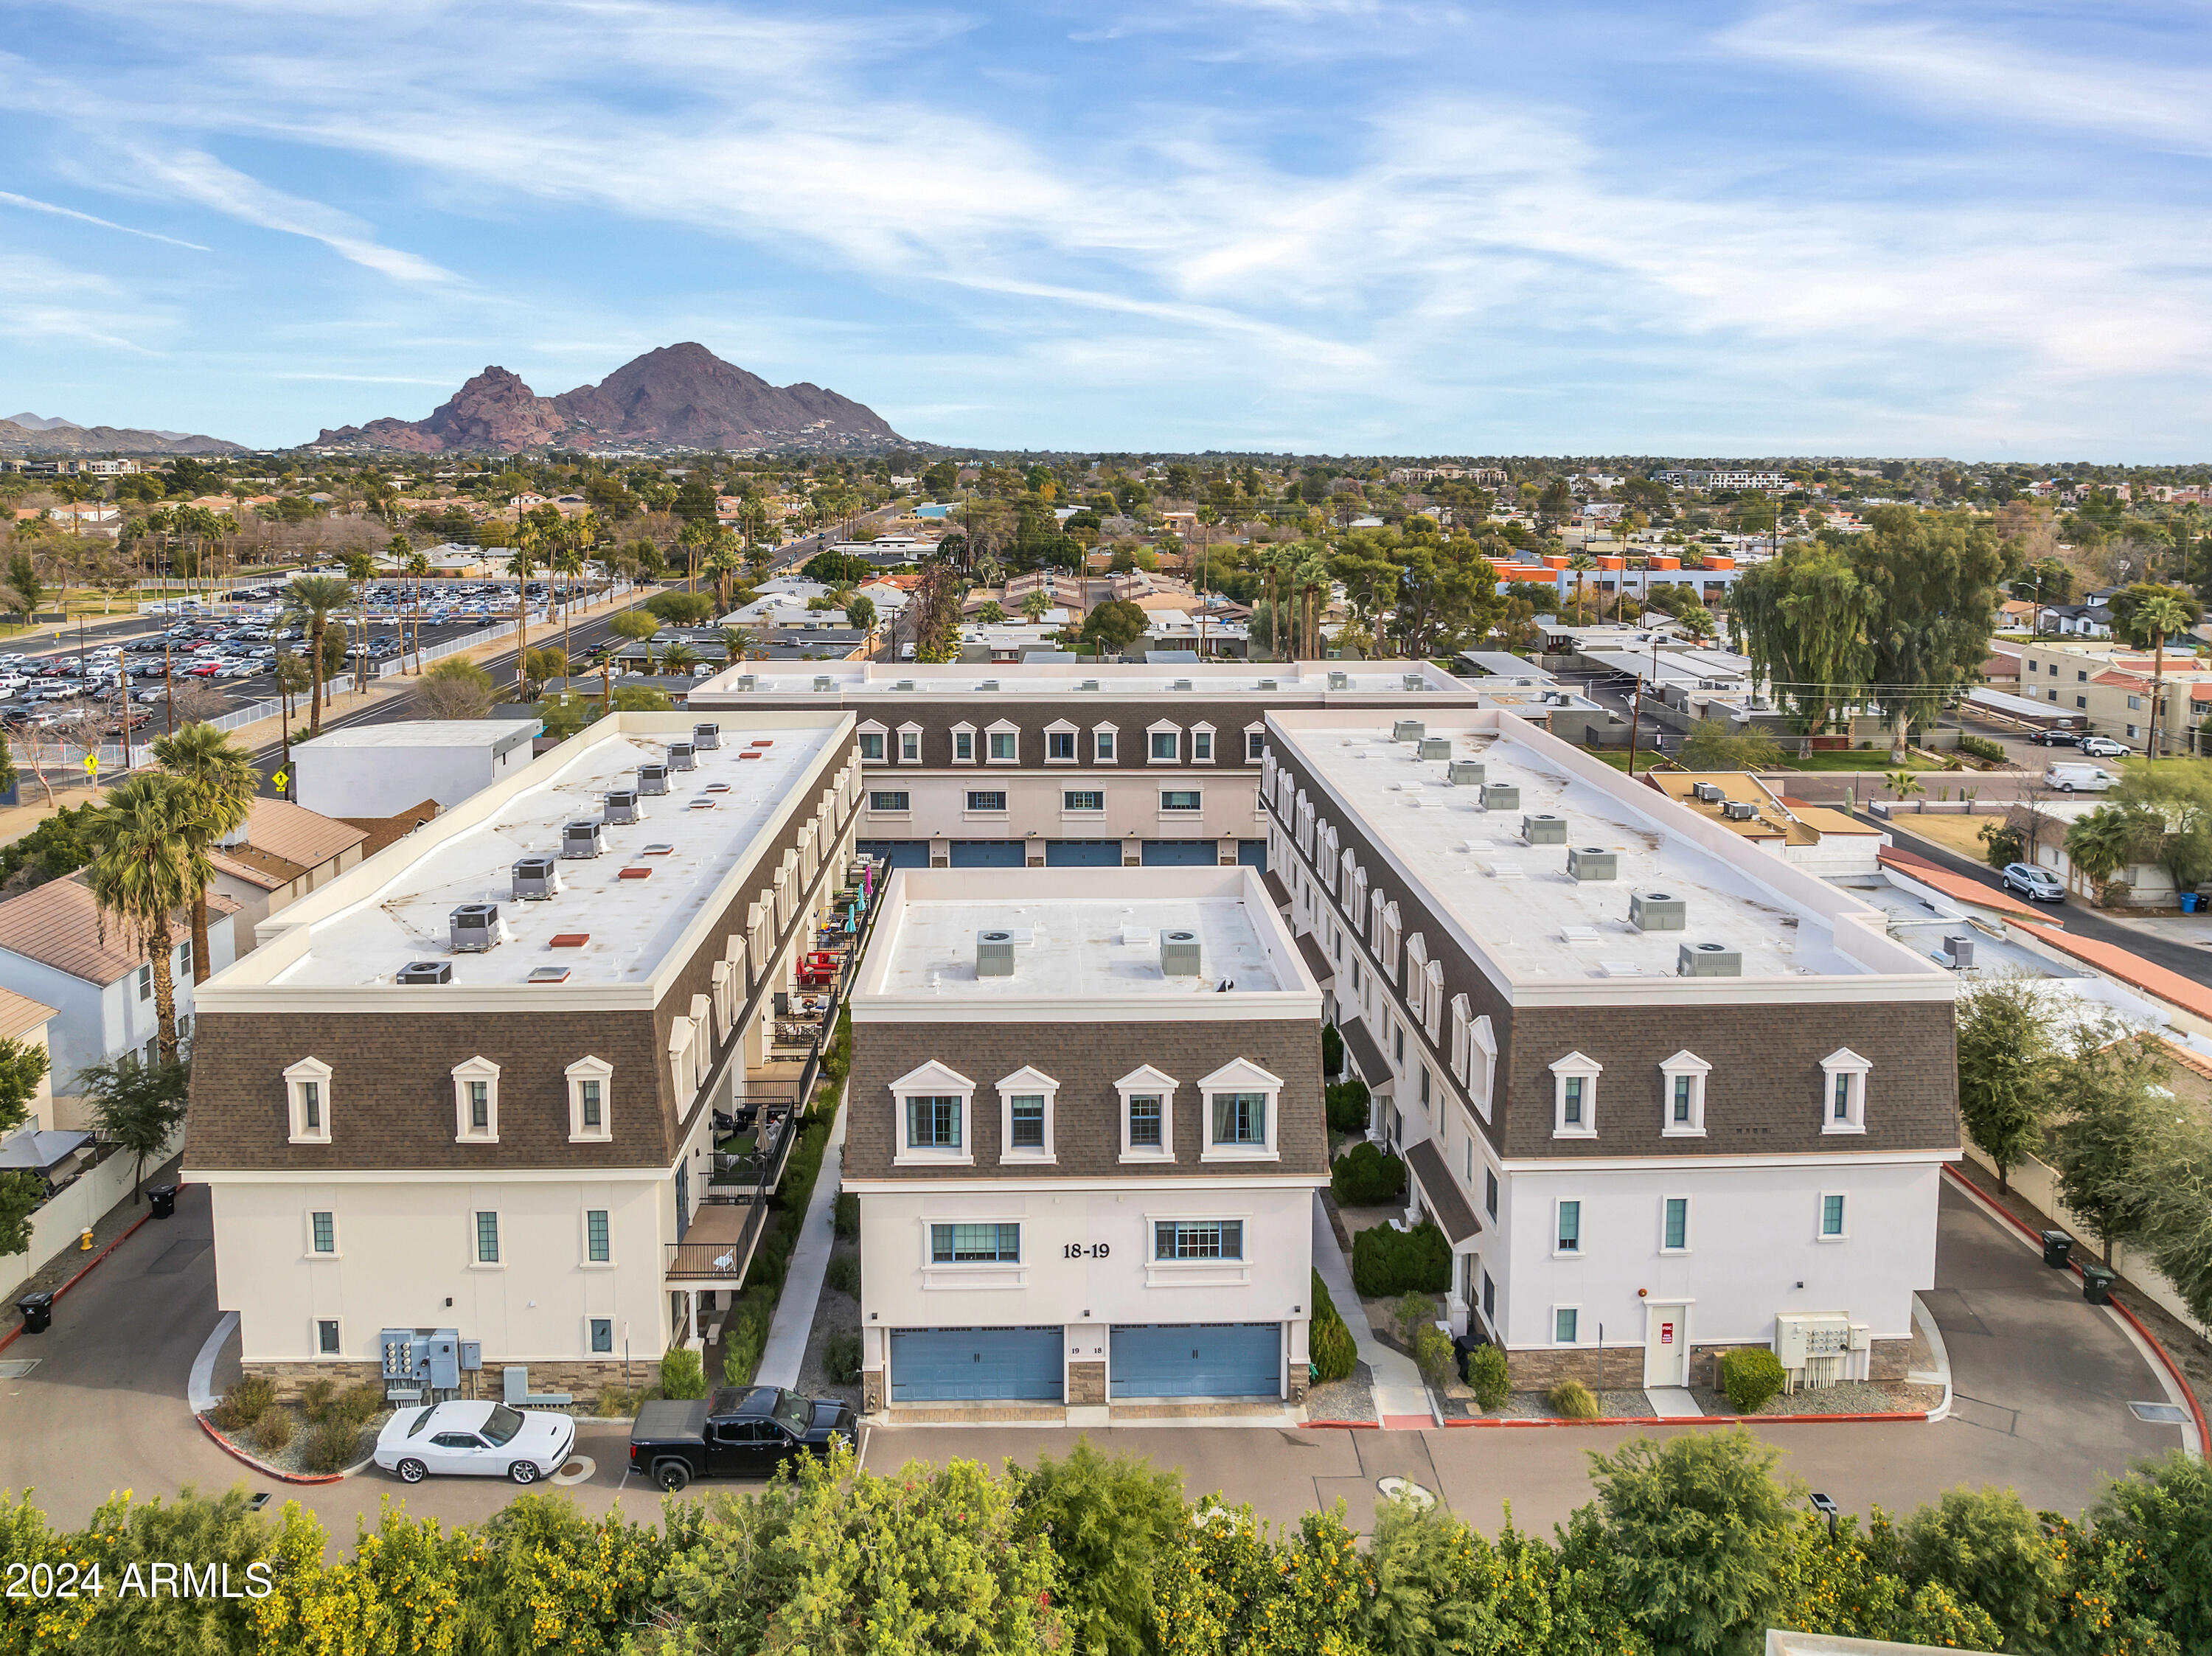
pixel 31 434
pixel 676 397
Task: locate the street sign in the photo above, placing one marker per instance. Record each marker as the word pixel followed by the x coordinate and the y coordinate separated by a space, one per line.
pixel 279 780
pixel 91 763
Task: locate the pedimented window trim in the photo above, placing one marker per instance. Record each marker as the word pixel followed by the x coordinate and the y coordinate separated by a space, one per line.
pixel 478 1068
pixel 998 727
pixel 1028 1080
pixel 1684 1063
pixel 1240 1074
pixel 968 730
pixel 1575 1066
pixel 295 1103
pixel 933 1080
pixel 590 1068
pixel 1145 1079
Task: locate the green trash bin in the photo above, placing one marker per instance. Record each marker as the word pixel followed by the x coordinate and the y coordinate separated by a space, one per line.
pixel 2097 1284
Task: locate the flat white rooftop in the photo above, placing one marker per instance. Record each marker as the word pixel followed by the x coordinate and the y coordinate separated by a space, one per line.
pixel 497 734
pixel 1516 899
pixel 391 915
pixel 838 681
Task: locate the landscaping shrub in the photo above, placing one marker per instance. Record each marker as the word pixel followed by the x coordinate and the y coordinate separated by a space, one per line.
pixel 2002 844
pixel 331 1447
pixel 847 1216
pixel 1386 1261
pixel 272 1431
pixel 245 1403
pixel 682 1374
pixel 844 1274
pixel 316 1398
pixel 1367 1176
pixel 1329 1345
pixel 1486 1372
pixel 1413 1313
pixel 1572 1400
pixel 744 1337
pixel 1982 747
pixel 1750 1374
pixel 840 1357
pixel 1332 1053
pixel 1345 1103
pixel 1432 1351
pixel 357 1404
pixel 619 1402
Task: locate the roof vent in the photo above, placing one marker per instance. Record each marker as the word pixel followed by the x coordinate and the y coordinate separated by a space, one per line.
pixel 994 954
pixel 1544 828
pixel 1591 863
pixel 581 839
pixel 1500 796
pixel 1707 959
pixel 1657 911
pixel 822 681
pixel 537 879
pixel 424 971
pixel 1411 682
pixel 652 778
pixel 1340 680
pixel 623 806
pixel 1179 954
pixel 1465 773
pixel 749 680
pixel 1434 747
pixel 679 756
pixel 1711 793
pixel 472 928
pixel 1408 730
pixel 706 738
pixel 548 974
pixel 1739 810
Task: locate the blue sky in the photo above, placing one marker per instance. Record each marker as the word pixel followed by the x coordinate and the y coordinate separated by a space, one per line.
pixel 1936 228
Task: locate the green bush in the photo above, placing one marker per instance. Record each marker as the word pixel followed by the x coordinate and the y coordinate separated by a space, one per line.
pixel 1982 747
pixel 245 1403
pixel 847 1216
pixel 1486 1372
pixel 1750 1374
pixel 357 1404
pixel 2002 844
pixel 1331 1051
pixel 1572 1400
pixel 744 1336
pixel 619 1402
pixel 273 1431
pixel 1367 1176
pixel 1413 1313
pixel 1329 1343
pixel 844 1274
pixel 840 1357
pixel 1432 1351
pixel 331 1447
pixel 316 1398
pixel 1387 1261
pixel 1345 1103
pixel 682 1374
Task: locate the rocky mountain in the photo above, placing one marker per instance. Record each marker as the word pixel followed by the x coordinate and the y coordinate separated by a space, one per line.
pixel 676 397
pixel 28 434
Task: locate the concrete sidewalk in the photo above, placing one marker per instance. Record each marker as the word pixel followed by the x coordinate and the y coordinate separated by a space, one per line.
pixel 1401 1399
pixel 786 1351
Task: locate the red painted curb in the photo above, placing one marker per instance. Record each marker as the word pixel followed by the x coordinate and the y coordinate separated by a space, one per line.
pixel 1906 1415
pixel 262 1467
pixel 15 1334
pixel 2165 1357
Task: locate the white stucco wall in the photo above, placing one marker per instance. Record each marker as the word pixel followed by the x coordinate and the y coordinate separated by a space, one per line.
pixel 938 804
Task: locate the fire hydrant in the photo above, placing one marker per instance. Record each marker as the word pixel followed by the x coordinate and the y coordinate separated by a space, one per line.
pixel 84 1242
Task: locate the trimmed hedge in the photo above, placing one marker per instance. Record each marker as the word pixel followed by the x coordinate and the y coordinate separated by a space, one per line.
pixel 1332 1050
pixel 1982 747
pixel 1386 1261
pixel 1366 1176
pixel 1345 1103
pixel 1329 1343
pixel 1572 1400
pixel 1750 1374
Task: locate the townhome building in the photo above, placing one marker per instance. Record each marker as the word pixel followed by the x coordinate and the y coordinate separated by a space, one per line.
pixel 2114 691
pixel 1662 1095
pixel 1069 764
pixel 1085 1126
pixel 472 1084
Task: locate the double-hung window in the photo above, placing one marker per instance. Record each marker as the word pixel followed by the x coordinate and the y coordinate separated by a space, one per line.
pixel 1145 1121
pixel 976 1245
pixel 479 1106
pixel 1843 1091
pixel 1240 1119
pixel 1832 1218
pixel 964 746
pixel 1102 745
pixel 145 983
pixel 324 1234
pixel 1201 746
pixel 597 1246
pixel 1026 1113
pixel 486 1238
pixel 910 746
pixel 1255 745
pixel 933 1122
pixel 1198 1239
pixel 310 1106
pixel 1570 1227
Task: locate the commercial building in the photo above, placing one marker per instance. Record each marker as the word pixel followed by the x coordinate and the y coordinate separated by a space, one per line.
pixel 1657 1092
pixel 471 1082
pixel 1111 1227
pixel 377 770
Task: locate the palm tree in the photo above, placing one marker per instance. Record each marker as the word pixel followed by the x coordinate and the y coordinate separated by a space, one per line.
pixel 361 569
pixel 677 658
pixel 568 561
pixel 522 564
pixel 724 559
pixel 221 783
pixel 2160 615
pixel 310 601
pixel 418 570
pixel 1035 605
pixel 2099 845
pixel 143 869
pixel 736 644
pixel 1582 563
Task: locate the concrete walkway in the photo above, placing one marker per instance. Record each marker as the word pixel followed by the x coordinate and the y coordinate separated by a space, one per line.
pixel 786 1351
pixel 1401 1399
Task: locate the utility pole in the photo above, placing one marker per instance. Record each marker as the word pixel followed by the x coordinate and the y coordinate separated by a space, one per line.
pixel 168 695
pixel 1635 719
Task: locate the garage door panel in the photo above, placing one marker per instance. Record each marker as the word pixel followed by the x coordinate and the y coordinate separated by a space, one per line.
pixel 1180 853
pixel 945 1365
pixel 1196 1360
pixel 1082 853
pixel 986 853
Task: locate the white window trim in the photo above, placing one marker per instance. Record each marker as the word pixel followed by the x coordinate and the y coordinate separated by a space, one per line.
pixel 1582 1229
pixel 307 1237
pixel 1820 1217
pixel 877 811
pixel 1251 731
pixel 874 728
pixel 1212 748
pixel 1239 1076
pixel 1575 1065
pixel 476 1069
pixel 583 1070
pixel 968 730
pixel 969 810
pixel 1684 1063
pixel 1002 727
pixel 1552 1329
pixel 1689 1224
pixel 499 1220
pixel 974 1274
pixel 1028 1082
pixel 898 754
pixel 315 1335
pixel 1148 1080
pixel 613 1331
pixel 1481 1063
pixel 314 1070
pixel 1063 727
pixel 583 1260
pixel 1181 813
pixel 1843 1061
pixel 1113 734
pixel 933 1080
pixel 1196 1273
pixel 1067 810
pixel 1161 728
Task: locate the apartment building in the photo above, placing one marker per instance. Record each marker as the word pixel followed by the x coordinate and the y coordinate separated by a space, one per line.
pixel 471 1082
pixel 1069 764
pixel 1108 1228
pixel 2114 689
pixel 1657 1091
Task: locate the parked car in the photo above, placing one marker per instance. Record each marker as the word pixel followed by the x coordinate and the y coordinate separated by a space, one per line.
pixel 739 1432
pixel 2104 747
pixel 2080 779
pixel 474 1439
pixel 2038 885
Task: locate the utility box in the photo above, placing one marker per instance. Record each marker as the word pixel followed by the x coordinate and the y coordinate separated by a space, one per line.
pixel 443 1355
pixel 1500 796
pixel 1465 773
pixel 1179 954
pixel 1657 911
pixel 1434 747
pixel 1409 730
pixel 1960 948
pixel 1340 680
pixel 1813 1347
pixel 1707 959
pixel 1591 863
pixel 994 954
pixel 471 1356
pixel 1544 830
pixel 1411 682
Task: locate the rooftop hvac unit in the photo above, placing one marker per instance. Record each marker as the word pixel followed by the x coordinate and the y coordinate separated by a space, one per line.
pixel 994 954
pixel 1179 955
pixel 1411 681
pixel 1711 793
pixel 537 879
pixel 1179 684
pixel 679 756
pixel 424 971
pixel 652 779
pixel 991 684
pixel 581 839
pixel 1267 684
pixel 1657 911
pixel 903 684
pixel 749 680
pixel 1739 810
pixel 1500 796
pixel 1340 680
pixel 1088 684
pixel 623 806
pixel 706 738
pixel 1434 747
pixel 1465 773
pixel 1591 863
pixel 1544 830
pixel 822 681
pixel 473 928
pixel 1960 948
pixel 1408 730
pixel 1707 959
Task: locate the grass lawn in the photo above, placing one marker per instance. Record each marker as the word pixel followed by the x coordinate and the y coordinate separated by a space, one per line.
pixel 1961 833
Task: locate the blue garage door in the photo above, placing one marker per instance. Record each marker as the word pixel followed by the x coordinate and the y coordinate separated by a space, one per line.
pixel 987 853
pixel 1180 853
pixel 965 1364
pixel 1082 853
pixel 1253 853
pixel 1197 1360
pixel 899 853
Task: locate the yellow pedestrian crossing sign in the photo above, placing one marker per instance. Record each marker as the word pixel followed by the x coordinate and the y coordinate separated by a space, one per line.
pixel 280 778
pixel 91 763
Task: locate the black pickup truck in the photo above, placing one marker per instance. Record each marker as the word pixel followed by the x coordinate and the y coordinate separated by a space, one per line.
pixel 740 1431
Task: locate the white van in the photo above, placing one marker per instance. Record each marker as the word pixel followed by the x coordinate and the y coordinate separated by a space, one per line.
pixel 2078 779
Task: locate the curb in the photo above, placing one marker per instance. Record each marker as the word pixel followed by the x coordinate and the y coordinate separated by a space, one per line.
pixel 130 1230
pixel 266 1469
pixel 1343 1425
pixel 2165 1357
pixel 1907 1416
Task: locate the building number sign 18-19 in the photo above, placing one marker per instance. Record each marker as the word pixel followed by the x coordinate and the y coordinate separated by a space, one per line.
pixel 1077 1251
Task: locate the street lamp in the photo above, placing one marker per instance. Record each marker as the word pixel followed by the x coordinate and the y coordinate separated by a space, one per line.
pixel 1827 1508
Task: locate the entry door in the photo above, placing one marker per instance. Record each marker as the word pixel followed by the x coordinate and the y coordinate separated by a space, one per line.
pixel 1666 1344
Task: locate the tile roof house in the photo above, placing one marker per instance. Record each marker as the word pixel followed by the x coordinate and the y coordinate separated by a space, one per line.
pixel 284 852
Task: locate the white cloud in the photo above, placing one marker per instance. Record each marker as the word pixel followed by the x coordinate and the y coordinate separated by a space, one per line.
pixel 42 301
pixel 32 204
pixel 201 178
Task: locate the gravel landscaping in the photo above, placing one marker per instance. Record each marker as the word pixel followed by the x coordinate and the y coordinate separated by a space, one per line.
pixel 835 1313
pixel 1850 1398
pixel 1351 1399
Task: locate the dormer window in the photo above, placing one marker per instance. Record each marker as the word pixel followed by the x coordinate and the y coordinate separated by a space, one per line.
pixel 1004 741
pixel 872 743
pixel 588 1121
pixel 909 744
pixel 1241 1102
pixel 1163 744
pixel 1148 1115
pixel 1025 1101
pixel 1574 1096
pixel 1060 740
pixel 476 1102
pixel 308 1100
pixel 932 1107
pixel 1102 743
pixel 963 744
pixel 1682 1086
pixel 1201 745
pixel 1843 1091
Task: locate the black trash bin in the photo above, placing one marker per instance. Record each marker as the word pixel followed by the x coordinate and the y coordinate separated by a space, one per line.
pixel 2057 1245
pixel 2097 1284
pixel 164 1198
pixel 38 1311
